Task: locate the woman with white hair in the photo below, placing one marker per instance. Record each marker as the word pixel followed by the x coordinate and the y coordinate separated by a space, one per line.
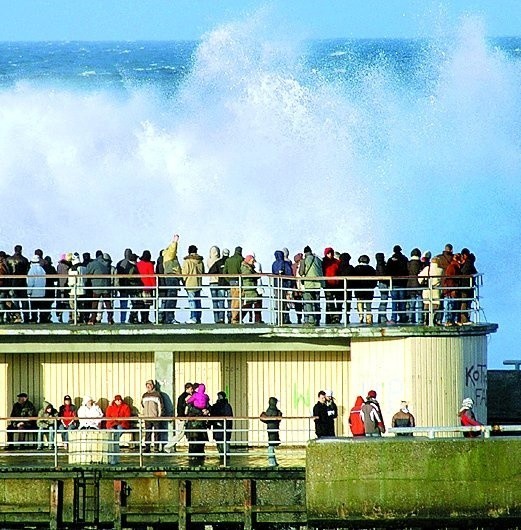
pixel 468 418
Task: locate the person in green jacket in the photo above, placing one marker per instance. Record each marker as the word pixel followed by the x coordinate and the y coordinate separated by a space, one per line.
pixel 250 296
pixel 310 269
pixel 233 266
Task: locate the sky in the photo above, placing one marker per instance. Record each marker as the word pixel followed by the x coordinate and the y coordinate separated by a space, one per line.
pixel 35 20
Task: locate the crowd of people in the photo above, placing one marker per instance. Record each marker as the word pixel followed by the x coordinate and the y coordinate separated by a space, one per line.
pixel 422 289
pixel 195 417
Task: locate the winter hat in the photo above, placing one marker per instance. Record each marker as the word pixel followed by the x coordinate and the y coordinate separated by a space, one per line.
pixel 466 404
pixel 428 254
pixel 328 250
pixel 371 394
pixel 307 249
pixel 192 249
pixel 416 252
pixel 364 258
pixel 397 248
pixel 75 260
pixel 249 259
pixel 22 394
pixel 221 395
pixel 226 252
pixel 118 397
pixel 329 393
pixel 238 250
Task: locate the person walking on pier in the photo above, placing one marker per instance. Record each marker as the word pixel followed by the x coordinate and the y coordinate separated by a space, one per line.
pixel 222 428
pixel 371 415
pixel 468 418
pixel 271 418
pixel 403 418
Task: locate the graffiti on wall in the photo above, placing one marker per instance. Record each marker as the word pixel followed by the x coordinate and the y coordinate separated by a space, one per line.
pixel 476 383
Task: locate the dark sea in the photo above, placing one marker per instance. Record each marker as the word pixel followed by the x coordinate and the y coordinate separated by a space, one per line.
pixel 244 138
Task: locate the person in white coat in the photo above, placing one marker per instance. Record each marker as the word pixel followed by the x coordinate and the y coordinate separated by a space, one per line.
pixel 36 289
pixel 90 414
pixel 430 278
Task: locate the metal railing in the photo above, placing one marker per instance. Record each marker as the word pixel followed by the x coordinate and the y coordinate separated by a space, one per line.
pixel 149 437
pixel 260 298
pixel 432 432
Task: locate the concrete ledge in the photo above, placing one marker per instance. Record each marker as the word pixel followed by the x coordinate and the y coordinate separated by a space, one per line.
pixel 418 480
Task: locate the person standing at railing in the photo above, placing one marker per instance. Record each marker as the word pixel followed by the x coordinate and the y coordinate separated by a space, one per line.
pixel 100 287
pixel 77 291
pixel 22 408
pixel 468 270
pixel 4 288
pixel 299 288
pixel 345 270
pixel 233 266
pixel 310 270
pixel 272 418
pixel 414 294
pixel 18 265
pixel 332 287
pixel 172 269
pixel 397 268
pixel 383 287
pixel 468 418
pixel 62 294
pixel 197 406
pixel 215 265
pixel 192 269
pixel 46 424
pixel 250 295
pixel 152 404
pixel 123 268
pixel 365 290
pixel 145 267
pixel 222 428
pixel 181 408
pixel 281 267
pixel 431 277
pixel 324 423
pixel 451 291
pixel 403 418
pixel 51 282
pixel 36 290
pixel 371 415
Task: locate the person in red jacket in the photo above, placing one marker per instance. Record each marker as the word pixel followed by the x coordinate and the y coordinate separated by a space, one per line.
pixel 117 410
pixel 333 288
pixel 145 267
pixel 356 423
pixel 468 419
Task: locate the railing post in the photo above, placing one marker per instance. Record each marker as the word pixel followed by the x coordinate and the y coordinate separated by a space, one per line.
pixel 140 441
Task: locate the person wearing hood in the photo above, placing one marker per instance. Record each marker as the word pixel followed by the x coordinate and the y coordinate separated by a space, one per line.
pixel 233 266
pixel 272 418
pixel 215 266
pixel 222 428
pixel 46 425
pixel 67 412
pixel 51 282
pixel 299 288
pixel 356 423
pixel 345 270
pixel 333 287
pixel 145 267
pixel 100 286
pixel 124 267
pixel 90 414
pixel 18 265
pixel 36 290
pixel 431 277
pixel 468 418
pixel 118 412
pixel 403 418
pixel 282 267
pixel 371 415
pixel 172 269
pixel 192 269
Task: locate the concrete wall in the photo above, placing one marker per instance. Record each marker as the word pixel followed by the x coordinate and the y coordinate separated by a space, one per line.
pixel 413 480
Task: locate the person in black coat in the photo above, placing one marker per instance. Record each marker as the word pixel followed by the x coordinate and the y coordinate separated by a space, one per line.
pixel 222 429
pixel 397 268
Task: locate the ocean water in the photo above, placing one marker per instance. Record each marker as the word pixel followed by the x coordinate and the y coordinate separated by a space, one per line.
pixel 252 137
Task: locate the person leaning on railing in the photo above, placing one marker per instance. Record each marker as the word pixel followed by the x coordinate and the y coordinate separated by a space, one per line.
pixel 468 270
pixel 22 408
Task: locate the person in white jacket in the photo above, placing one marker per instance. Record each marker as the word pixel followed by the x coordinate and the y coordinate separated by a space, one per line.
pixel 89 414
pixel 36 289
pixel 430 277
